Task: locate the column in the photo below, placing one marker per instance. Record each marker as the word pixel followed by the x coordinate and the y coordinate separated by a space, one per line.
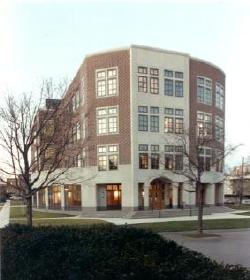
pixel 209 194
pixel 62 198
pixel 146 197
pixel 37 199
pixel 46 198
pixel 175 194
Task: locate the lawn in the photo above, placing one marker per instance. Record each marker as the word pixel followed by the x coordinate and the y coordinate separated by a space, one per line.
pixel 20 213
pixel 61 222
pixel 240 207
pixel 192 225
pixel 244 213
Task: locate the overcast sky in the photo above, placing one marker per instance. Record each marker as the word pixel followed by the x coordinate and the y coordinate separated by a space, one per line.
pixel 41 39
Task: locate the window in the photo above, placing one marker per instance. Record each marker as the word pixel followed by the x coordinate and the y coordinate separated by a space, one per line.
pixel 154 110
pixel 142 70
pixel 76 132
pixel 143 147
pixel 75 100
pixel 107 120
pixel 154 123
pixel 169 125
pixel 155 157
pixel 143 122
pixel 143 160
pixel 155 161
pixel 106 82
pixel 173 84
pixel 219 96
pixel 142 84
pixel 154 85
pixel 107 157
pixel 219 129
pixel 178 88
pixel 173 157
pixel 154 72
pixel 143 109
pixel 204 90
pixel 204 159
pixel 49 128
pixel 49 153
pixel 178 125
pixel 174 122
pixel 168 87
pixel 204 124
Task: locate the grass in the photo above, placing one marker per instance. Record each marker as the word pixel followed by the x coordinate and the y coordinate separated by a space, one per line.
pixel 20 212
pixel 192 225
pixel 240 207
pixel 244 213
pixel 62 222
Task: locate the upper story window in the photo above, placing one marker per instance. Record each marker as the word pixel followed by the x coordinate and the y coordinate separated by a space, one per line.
pixel 204 158
pixel 219 96
pixel 174 121
pixel 173 84
pixel 76 132
pixel 49 128
pixel 107 82
pixel 76 100
pixel 219 129
pixel 204 124
pixel 204 90
pixel 143 156
pixel 107 157
pixel 155 157
pixel 107 120
pixel 143 118
pixel 145 76
pixel 173 157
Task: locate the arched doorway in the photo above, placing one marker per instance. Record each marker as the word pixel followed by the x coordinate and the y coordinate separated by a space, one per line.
pixel 160 194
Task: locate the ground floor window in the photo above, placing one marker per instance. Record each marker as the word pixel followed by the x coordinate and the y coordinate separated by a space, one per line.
pixel 114 193
pixel 41 198
pixel 54 193
pixel 141 195
pixel 72 195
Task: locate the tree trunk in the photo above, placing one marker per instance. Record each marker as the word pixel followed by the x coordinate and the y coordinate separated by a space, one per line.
pixel 200 192
pixel 29 211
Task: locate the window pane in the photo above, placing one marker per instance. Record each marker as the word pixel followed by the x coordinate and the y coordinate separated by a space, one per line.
pixel 143 122
pixel 112 86
pixel 155 161
pixel 111 72
pixel 102 163
pixel 154 110
pixel 154 71
pixel 179 75
pixel 102 125
pixel 143 161
pixel 179 112
pixel 169 162
pixel 169 111
pixel 112 124
pixel 101 74
pixel 168 87
pixel 178 88
pixel 102 149
pixel 113 162
pixel 155 148
pixel 142 109
pixel 168 73
pixel 168 125
pixel 178 162
pixel 154 85
pixel 142 70
pixel 101 88
pixel 143 147
pixel 154 123
pixel 178 125
pixel 169 148
pixel 142 84
pixel 113 148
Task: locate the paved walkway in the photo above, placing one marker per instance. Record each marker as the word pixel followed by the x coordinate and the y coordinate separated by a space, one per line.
pixel 5 215
pixel 215 216
pixel 229 246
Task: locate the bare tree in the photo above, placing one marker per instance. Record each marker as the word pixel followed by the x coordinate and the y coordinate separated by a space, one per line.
pixel 196 164
pixel 38 143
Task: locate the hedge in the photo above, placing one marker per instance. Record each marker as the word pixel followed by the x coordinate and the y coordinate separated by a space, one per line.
pixel 103 253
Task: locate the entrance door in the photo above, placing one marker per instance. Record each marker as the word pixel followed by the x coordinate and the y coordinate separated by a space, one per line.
pixel 156 196
pixel 113 196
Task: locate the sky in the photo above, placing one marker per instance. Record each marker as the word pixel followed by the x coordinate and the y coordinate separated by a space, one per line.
pixel 43 39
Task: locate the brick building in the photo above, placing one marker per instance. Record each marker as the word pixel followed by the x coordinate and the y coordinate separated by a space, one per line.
pixel 129 107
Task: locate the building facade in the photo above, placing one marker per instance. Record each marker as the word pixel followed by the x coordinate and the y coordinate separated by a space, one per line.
pixel 131 106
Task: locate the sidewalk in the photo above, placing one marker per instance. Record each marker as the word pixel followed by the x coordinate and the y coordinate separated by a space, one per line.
pixel 215 216
pixel 5 215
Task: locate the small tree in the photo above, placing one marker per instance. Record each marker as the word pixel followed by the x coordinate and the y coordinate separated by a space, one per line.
pixel 195 165
pixel 37 142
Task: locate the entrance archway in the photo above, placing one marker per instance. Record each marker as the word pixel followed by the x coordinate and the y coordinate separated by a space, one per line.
pixel 160 194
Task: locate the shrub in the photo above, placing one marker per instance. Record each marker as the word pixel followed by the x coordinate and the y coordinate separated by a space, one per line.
pixel 103 253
